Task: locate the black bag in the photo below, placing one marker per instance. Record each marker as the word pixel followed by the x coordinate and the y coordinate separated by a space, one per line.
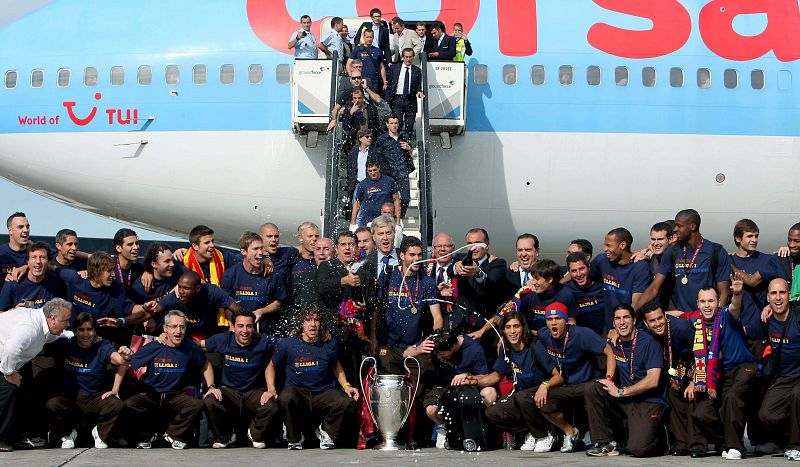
pixel 463 413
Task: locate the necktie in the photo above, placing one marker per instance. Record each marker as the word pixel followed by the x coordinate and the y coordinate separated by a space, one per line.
pixel 382 272
pixel 526 278
pixel 440 276
pixel 407 84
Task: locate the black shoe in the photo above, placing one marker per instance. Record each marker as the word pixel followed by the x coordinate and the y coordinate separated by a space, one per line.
pixel 603 449
pixel 697 454
pixel 680 452
pixel 5 447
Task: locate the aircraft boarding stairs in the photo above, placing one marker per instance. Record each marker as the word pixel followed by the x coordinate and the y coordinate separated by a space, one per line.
pixel 441 112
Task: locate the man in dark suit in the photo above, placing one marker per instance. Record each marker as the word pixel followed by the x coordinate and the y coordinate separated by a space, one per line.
pixel 377 271
pixel 381 30
pixel 519 273
pixel 357 159
pixel 442 47
pixel 405 86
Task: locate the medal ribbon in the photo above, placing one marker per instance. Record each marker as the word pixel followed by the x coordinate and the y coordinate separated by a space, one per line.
pixel 563 351
pixel 633 350
pixel 687 267
pixel 412 299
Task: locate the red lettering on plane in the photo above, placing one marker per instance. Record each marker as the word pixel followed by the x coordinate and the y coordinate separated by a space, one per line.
pixel 783 25
pixel 672 26
pixel 81 121
pixel 516 41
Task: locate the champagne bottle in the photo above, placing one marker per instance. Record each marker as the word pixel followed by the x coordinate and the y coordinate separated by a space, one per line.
pixel 467 261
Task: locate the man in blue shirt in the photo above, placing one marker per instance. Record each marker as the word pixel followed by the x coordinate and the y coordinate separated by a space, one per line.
pixel 333 41
pixel 66 252
pixel 38 285
pixel 168 365
pixel 589 294
pixel 14 253
pixel 371 193
pixel 372 60
pixel 303 41
pixel 312 370
pixel 242 395
pixel 637 393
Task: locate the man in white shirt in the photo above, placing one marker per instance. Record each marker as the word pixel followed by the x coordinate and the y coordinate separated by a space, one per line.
pixel 23 334
pixel 303 41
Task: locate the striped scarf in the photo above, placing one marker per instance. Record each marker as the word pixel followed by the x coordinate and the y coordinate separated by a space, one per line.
pixel 706 351
pixel 216 268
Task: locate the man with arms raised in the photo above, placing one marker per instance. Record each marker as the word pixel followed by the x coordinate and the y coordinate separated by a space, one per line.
pixel 160 264
pixel 241 396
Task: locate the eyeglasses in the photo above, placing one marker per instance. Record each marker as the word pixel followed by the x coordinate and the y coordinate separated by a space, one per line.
pixel 176 326
pixel 355 77
pixel 446 245
pixel 367 136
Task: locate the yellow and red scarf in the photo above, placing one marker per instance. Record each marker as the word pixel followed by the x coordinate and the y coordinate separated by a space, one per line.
pixel 216 268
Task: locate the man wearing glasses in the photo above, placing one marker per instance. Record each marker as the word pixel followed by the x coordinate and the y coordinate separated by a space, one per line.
pixel 357 159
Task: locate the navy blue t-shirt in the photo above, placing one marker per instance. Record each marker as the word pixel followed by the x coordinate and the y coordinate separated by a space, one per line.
pixel 308 366
pixel 159 288
pixel 166 366
pixel 591 306
pixel 125 278
pixel 400 326
pixel 105 301
pixel 790 348
pixel 84 368
pixel 524 365
pixel 243 367
pixel 577 360
pixel 254 291
pixel 201 311
pixel 229 259
pixel 78 264
pixel 10 259
pixel 620 281
pixel 375 193
pixel 534 305
pixel 371 58
pixel 699 275
pixel 647 355
pixel 15 293
pixel 282 263
pixel 754 299
pixel 470 358
pixel 303 282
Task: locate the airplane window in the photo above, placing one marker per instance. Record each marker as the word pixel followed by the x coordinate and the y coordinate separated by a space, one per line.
pixel 565 74
pixel 90 76
pixel 676 77
pixel 480 74
pixel 537 75
pixel 172 74
pixel 621 75
pixel 117 76
pixel 757 79
pixel 11 79
pixel 593 75
pixel 226 74
pixel 63 77
pixel 731 78
pixel 255 73
pixel 649 76
pixel 784 80
pixel 145 77
pixel 509 74
pixel 37 78
pixel 199 74
pixel 703 78
pixel 283 73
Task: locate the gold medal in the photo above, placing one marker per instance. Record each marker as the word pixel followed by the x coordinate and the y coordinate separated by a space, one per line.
pixel 672 372
pixel 413 310
pixel 684 280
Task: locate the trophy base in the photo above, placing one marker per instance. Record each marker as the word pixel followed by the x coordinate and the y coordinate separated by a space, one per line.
pixel 390 445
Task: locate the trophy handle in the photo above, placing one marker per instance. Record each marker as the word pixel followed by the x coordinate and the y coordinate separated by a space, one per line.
pixel 364 386
pixel 416 385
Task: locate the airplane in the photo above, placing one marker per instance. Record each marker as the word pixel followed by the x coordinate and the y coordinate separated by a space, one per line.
pixel 580 116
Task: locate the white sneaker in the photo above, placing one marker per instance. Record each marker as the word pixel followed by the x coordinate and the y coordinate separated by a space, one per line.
pixel 441 437
pixel 325 441
pixel 98 443
pixel 68 442
pixel 732 455
pixel 569 441
pixel 297 446
pixel 220 445
pixel 256 444
pixel 793 455
pixel 544 444
pixel 175 443
pixel 529 444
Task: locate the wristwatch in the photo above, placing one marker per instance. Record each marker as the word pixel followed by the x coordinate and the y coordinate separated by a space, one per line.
pixel 212 386
pixel 621 392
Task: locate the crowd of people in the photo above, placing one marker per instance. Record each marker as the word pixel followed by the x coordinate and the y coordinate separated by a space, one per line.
pixel 678 347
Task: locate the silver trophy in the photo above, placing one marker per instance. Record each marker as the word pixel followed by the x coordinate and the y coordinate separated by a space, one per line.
pixel 389 400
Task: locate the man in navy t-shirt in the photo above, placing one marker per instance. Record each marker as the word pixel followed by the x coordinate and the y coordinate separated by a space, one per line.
pixel 166 377
pixel 780 410
pixel 312 370
pixel 694 262
pixel 158 262
pixel 637 393
pixel 372 192
pixel 14 253
pixel 37 286
pixel 575 350
pixel 246 354
pixel 589 295
pixel 254 291
pixel 757 270
pixel 624 281
pixel 372 60
pixel 66 251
